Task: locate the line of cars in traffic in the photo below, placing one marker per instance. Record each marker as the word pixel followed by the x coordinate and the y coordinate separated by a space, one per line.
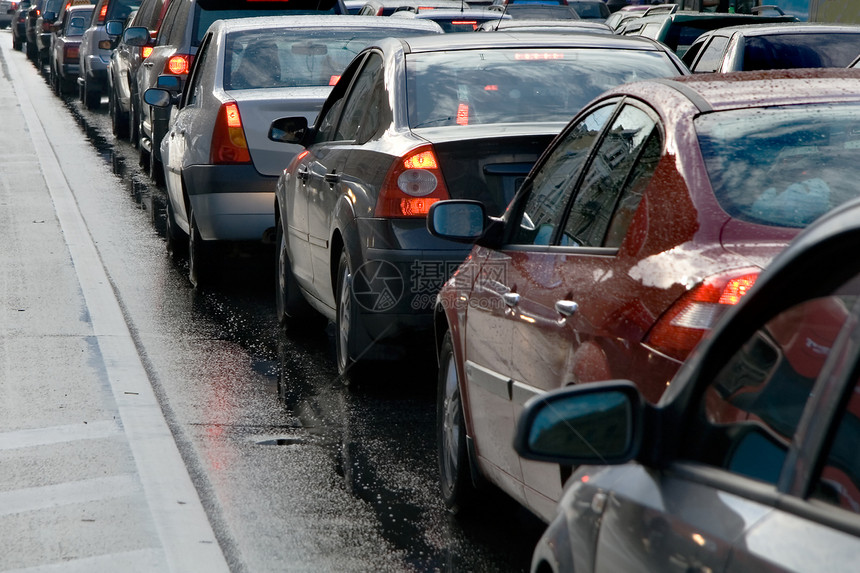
pixel 432 191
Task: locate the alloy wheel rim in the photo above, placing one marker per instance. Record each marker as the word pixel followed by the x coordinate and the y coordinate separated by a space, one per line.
pixel 344 313
pixel 450 425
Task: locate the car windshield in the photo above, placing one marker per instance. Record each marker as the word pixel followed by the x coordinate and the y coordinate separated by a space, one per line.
pixel 800 51
pixel 290 57
pixel 469 87
pixel 782 166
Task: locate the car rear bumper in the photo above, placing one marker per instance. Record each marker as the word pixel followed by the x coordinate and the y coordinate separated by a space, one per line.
pixel 231 202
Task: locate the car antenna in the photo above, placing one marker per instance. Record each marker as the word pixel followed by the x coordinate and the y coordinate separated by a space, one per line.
pixel 504 10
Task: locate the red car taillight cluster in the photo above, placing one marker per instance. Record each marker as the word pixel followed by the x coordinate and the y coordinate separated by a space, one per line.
pixel 71 52
pixel 686 322
pixel 178 64
pixel 413 183
pixel 229 145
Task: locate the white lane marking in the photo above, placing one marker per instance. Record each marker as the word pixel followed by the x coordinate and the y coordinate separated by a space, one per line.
pixel 128 562
pixel 58 434
pixel 183 527
pixel 67 493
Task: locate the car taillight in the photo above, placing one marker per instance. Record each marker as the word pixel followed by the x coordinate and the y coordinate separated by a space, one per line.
pixel 105 45
pixel 103 13
pixel 178 64
pixel 71 52
pixel 145 52
pixel 413 183
pixel 333 80
pixel 229 145
pixel 46 26
pixel 685 323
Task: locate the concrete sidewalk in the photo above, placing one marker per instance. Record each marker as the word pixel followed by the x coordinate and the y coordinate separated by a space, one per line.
pixel 90 476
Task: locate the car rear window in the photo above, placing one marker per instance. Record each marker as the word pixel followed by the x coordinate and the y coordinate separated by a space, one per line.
pixel 785 51
pixel 287 57
pixel 468 87
pixel 782 166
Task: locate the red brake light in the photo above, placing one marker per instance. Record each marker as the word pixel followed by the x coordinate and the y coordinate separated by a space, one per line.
pixel 229 145
pixel 103 12
pixel 539 56
pixel 333 80
pixel 145 52
pixel 413 183
pixel 178 64
pixel 463 114
pixel 683 325
pixel 71 52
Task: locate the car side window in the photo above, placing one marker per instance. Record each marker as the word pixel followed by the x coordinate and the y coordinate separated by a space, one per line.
pixel 553 184
pixel 622 165
pixel 356 123
pixel 193 90
pixel 164 32
pixel 712 56
pixel 750 411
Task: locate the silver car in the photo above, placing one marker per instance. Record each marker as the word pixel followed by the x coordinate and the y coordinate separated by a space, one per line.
pixel 6 12
pixel 220 167
pixel 749 462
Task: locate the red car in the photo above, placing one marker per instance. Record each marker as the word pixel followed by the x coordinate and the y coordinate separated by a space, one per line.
pixel 651 212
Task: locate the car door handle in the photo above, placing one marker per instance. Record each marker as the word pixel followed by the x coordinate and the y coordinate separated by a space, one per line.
pixel 566 307
pixel 511 298
pixel 302 174
pixel 332 178
pixel 148 64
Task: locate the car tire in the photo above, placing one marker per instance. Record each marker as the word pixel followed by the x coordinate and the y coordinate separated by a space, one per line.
pixel 346 319
pixel 92 99
pixel 118 119
pixel 17 44
pixel 201 256
pixel 177 240
pixel 290 303
pixel 32 53
pixel 54 80
pixel 156 170
pixel 459 492
pixel 134 125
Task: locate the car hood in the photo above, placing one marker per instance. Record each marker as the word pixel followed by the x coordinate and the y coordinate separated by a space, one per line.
pixel 259 107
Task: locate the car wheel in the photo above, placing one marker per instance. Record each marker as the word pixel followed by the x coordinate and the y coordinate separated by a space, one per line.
pixel 17 44
pixel 289 300
pixel 346 319
pixel 32 53
pixel 54 81
pixel 133 125
pixel 118 120
pixel 92 98
pixel 458 490
pixel 177 241
pixel 200 256
pixel 156 170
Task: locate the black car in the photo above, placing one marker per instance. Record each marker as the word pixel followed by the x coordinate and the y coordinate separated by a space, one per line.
pixel 184 25
pixel 410 122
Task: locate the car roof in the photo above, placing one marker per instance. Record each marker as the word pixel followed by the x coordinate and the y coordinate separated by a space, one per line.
pixel 738 90
pixel 566 25
pixel 514 38
pixel 788 28
pixel 452 13
pixel 324 20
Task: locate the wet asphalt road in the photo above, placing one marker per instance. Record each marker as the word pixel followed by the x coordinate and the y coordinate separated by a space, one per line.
pixel 297 471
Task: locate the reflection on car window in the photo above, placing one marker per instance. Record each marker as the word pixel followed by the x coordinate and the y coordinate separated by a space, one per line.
pixel 751 409
pixel 712 55
pixel 782 166
pixel 784 51
pixel 554 182
pixel 360 112
pixel 469 87
pixel 608 174
pixel 289 58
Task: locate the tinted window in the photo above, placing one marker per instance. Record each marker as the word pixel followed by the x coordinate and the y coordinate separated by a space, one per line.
pixel 285 57
pixel 471 87
pixel 751 410
pixel 612 176
pixel 782 166
pixel 360 111
pixel 120 9
pixel 712 55
pixel 555 180
pixel 784 51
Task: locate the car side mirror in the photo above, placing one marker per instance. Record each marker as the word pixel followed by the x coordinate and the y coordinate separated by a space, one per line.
pixel 457 220
pixel 594 423
pixel 158 97
pixel 113 28
pixel 289 129
pixel 136 36
pixel 169 83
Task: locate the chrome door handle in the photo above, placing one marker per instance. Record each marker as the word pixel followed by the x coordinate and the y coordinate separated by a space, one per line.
pixel 511 298
pixel 566 307
pixel 332 178
pixel 302 174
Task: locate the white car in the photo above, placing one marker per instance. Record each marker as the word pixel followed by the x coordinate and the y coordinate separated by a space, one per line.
pixel 220 167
